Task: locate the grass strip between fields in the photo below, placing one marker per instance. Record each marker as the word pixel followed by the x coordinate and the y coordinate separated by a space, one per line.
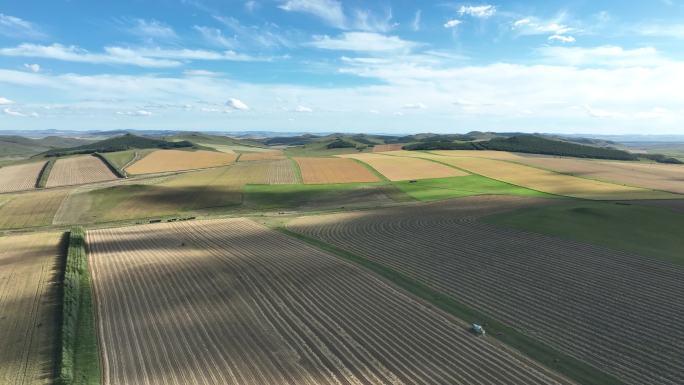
pixel 44 174
pixel 297 171
pixel 549 357
pixel 112 167
pixel 371 169
pixel 79 360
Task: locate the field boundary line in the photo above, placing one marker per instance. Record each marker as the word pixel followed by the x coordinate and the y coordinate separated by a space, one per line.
pixel 371 169
pixel 540 353
pixel 297 171
pixel 115 170
pixel 44 173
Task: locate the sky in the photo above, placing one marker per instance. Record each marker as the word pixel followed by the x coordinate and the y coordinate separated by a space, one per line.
pixel 395 66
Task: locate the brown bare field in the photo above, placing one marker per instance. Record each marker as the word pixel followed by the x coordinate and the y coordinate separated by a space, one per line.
pixel 29 305
pixel 489 154
pixel 334 170
pixel 387 147
pixel 262 155
pixel 31 209
pixel 176 160
pixel 79 170
pixel 397 168
pixel 232 302
pixel 20 177
pixel 549 181
pixel 616 311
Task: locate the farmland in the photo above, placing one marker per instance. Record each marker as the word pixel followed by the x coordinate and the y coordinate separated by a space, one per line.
pixel 20 177
pixel 334 170
pixel 29 307
pixel 31 209
pixel 261 155
pixel 587 301
pixel 175 160
pixel 211 305
pixel 406 168
pixel 79 170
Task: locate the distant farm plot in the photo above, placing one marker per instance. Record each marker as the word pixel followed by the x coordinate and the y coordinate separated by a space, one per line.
pixel 262 155
pixel 587 301
pixel 334 170
pixel 387 147
pixel 176 160
pixel 230 301
pixel 397 168
pixel 461 186
pixel 548 181
pixel 31 209
pixel 79 170
pixel 20 177
pixel 29 307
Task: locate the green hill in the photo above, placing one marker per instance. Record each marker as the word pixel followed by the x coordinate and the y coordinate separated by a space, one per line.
pixel 119 143
pixel 19 146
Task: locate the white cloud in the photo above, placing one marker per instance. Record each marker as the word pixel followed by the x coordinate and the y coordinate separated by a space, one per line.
pixel 301 108
pixel 603 114
pixel 32 67
pixel 204 73
pixel 535 26
pixel 414 106
pixel 15 27
pixel 5 101
pixel 237 104
pixel 562 38
pixel 480 11
pixel 251 5
pixel 452 23
pixel 152 29
pixel 363 42
pixel 329 11
pixel 364 20
pixel 675 31
pixel 137 113
pixel 267 35
pixel 215 36
pixel 11 112
pixel 415 25
pixel 611 56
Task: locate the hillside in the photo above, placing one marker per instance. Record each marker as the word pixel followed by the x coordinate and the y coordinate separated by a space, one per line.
pixel 208 140
pixel 19 146
pixel 119 143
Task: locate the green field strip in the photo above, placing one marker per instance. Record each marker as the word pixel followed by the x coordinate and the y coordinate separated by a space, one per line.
pixel 112 167
pixel 44 174
pixel 538 351
pixel 371 169
pixel 298 171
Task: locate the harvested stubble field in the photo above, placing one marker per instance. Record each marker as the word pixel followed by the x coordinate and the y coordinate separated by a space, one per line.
pixel 176 160
pixel 232 302
pixel 334 170
pixel 79 170
pixel 387 147
pixel 261 155
pixel 548 181
pixel 31 209
pixel 397 168
pixel 29 304
pixel 20 177
pixel 617 311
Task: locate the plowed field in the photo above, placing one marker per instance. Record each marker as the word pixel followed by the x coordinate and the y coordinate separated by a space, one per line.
pixel 29 306
pixel 334 170
pixel 596 304
pixel 232 302
pixel 397 168
pixel 176 160
pixel 79 170
pixel 20 177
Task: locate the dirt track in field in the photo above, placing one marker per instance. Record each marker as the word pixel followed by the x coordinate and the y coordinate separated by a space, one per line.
pixel 232 302
pixel 617 311
pixel 334 170
pixel 79 170
pixel 176 160
pixel 20 177
pixel 397 168
pixel 29 303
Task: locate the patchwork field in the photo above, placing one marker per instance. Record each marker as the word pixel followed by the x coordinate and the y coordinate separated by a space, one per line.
pixel 548 181
pixel 176 160
pixel 397 168
pixel 205 302
pixel 20 177
pixel 79 170
pixel 29 305
pixel 594 303
pixel 334 170
pixel 262 155
pixel 31 209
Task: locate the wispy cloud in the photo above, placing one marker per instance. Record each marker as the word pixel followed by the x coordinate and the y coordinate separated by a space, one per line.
pixel 16 27
pixel 363 42
pixel 4 101
pixel 415 25
pixel 479 11
pixel 660 30
pixel 366 20
pixel 604 56
pixel 152 30
pixel 304 109
pixel 562 38
pixel 237 104
pixel 329 11
pixel 453 23
pixel 32 67
pixel 536 26
pixel 215 37
pixel 136 113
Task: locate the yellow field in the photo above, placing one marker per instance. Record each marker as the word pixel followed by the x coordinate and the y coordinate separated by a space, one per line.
pixel 262 155
pixel 28 308
pixel 548 181
pixel 175 160
pixel 334 170
pixel 20 177
pixel 397 168
pixel 79 170
pixel 31 209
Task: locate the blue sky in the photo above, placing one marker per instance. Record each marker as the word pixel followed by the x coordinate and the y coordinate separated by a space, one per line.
pixel 608 67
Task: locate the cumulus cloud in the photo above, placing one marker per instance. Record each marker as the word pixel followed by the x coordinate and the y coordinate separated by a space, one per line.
pixel 5 101
pixel 363 42
pixel 329 11
pixel 480 11
pixel 562 38
pixel 32 67
pixel 237 104
pixel 13 26
pixel 453 23
pixel 301 108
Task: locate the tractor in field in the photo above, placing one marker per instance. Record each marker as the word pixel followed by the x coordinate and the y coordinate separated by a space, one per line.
pixel 477 329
